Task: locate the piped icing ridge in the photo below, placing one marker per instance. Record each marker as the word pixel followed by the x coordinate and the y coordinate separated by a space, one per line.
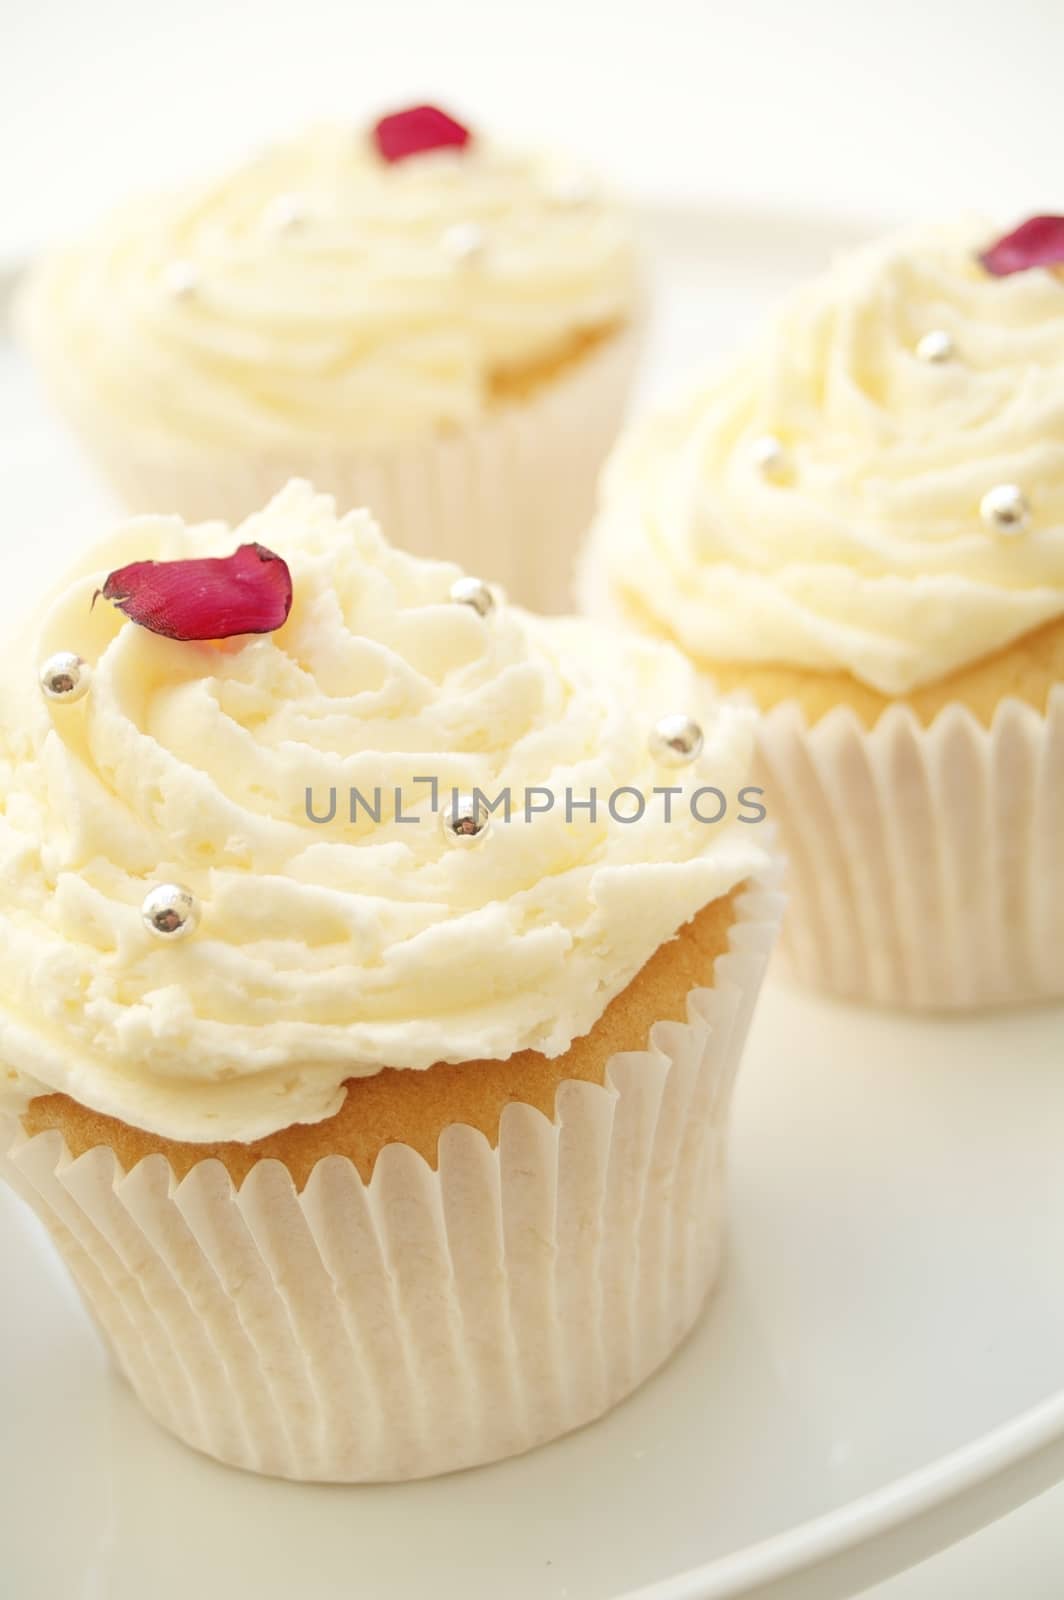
pixel 876 485
pixel 328 949
pixel 325 294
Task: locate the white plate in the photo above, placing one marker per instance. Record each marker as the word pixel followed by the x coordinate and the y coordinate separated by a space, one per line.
pixel 878 1376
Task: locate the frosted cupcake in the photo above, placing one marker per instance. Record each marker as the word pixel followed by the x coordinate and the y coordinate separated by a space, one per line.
pixel 382 1131
pixel 861 523
pixel 421 320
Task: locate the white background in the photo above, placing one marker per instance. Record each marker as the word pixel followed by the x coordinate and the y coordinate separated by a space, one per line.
pixel 893 110
pixel 894 104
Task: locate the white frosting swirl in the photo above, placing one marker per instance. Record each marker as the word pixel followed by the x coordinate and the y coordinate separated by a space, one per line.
pixel 865 551
pixel 326 951
pixel 359 323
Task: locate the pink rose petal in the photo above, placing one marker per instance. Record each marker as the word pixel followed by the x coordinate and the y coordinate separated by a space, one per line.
pixel 207 598
pixel 1038 242
pixel 421 128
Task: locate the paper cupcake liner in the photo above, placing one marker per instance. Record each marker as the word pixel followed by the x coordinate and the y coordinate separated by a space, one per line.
pixel 426 1320
pixel 926 863
pixel 508 498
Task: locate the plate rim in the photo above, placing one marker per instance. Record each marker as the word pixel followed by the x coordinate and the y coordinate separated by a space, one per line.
pixel 862 1542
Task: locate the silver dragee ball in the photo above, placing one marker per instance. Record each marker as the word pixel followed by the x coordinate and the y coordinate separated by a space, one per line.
pixel 65 677
pixel 285 213
pixel 464 242
pixel 936 347
pixel 464 821
pixel 571 190
pixel 473 592
pixel 676 740
pixel 180 280
pixel 170 911
pixel 1005 508
pixel 768 456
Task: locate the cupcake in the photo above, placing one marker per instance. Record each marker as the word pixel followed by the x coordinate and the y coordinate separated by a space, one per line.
pixel 860 523
pixel 419 319
pixel 377 959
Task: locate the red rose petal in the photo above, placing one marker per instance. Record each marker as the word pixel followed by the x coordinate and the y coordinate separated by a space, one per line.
pixel 1038 242
pixel 209 598
pixel 421 128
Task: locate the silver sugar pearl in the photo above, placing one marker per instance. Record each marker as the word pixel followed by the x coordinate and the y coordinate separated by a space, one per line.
pixel 571 191
pixel 768 456
pixel 65 677
pixel 170 911
pixel 676 740
pixel 1005 508
pixel 284 213
pixel 180 279
pixel 936 347
pixel 465 822
pixel 463 242
pixel 448 158
pixel 473 592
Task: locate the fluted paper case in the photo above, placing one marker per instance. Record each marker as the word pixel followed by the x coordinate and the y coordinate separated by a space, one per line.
pixel 429 1319
pixel 926 864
